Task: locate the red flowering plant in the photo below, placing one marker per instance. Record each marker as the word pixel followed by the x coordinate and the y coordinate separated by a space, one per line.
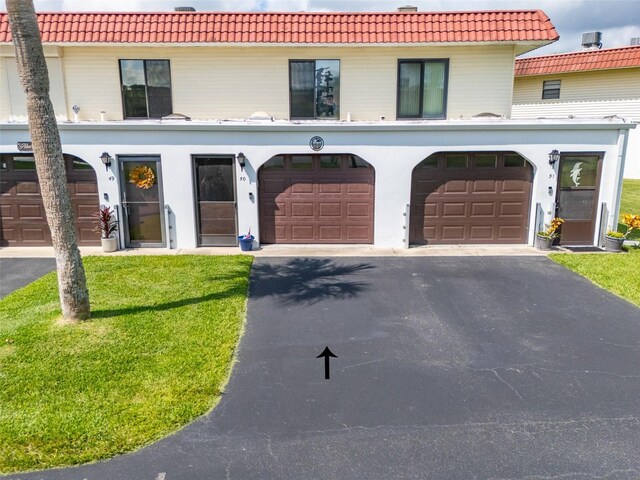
pixel 106 223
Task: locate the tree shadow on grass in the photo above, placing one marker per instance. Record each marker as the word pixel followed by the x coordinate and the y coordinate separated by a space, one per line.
pixel 307 280
pixel 183 302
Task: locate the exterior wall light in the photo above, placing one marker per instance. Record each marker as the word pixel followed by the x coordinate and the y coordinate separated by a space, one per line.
pixel 554 156
pixel 242 160
pixel 106 160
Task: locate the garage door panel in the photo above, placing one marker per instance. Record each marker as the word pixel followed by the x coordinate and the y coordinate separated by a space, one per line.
pixel 330 188
pixel 302 233
pixel 8 235
pixel 512 209
pixel 455 186
pixel 484 186
pixel 333 209
pixel 6 212
pixel 86 235
pixel 358 233
pixel 450 209
pixel 483 209
pixel 7 188
pixel 509 232
pixel 272 185
pixel 359 188
pixel 271 208
pixel 323 205
pixel 22 215
pixel 480 232
pixel 299 209
pixel 32 211
pixel 27 188
pixel 514 186
pixel 429 233
pixel 35 236
pixel 453 232
pixel 428 186
pixel 329 232
pixel 85 188
pixel 83 211
pixel 359 210
pixel 470 205
pixel 301 188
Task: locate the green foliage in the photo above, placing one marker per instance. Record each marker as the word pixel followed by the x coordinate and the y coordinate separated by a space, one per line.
pixel 630 203
pixel 154 356
pixel 613 234
pixel 617 273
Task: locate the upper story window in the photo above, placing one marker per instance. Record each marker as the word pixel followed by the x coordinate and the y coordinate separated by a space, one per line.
pixel 422 88
pixel 314 87
pixel 550 89
pixel 146 88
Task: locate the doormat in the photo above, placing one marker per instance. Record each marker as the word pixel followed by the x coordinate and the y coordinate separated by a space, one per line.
pixel 584 249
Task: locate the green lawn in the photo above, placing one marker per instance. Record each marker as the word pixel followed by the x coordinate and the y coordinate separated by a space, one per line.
pixel 630 204
pixel 155 355
pixel 618 273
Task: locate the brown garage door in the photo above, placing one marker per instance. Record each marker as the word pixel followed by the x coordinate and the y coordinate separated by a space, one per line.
pixel 316 199
pixel 22 217
pixel 472 198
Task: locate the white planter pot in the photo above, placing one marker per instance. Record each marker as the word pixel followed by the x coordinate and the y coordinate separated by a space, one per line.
pixel 109 244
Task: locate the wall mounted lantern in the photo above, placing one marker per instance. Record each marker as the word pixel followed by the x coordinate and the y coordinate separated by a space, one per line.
pixel 242 160
pixel 554 156
pixel 106 160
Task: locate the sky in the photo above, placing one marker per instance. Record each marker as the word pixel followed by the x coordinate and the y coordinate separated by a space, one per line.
pixel 618 20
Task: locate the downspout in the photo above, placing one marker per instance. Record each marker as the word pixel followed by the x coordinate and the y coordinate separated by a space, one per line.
pixel 63 73
pixel 622 156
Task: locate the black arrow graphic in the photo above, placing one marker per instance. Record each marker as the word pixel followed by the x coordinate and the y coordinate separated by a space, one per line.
pixel 326 353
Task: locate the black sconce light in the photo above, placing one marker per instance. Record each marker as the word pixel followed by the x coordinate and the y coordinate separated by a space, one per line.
pixel 554 156
pixel 106 160
pixel 242 160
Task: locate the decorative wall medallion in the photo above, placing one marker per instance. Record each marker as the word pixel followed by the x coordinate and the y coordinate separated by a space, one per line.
pixel 316 143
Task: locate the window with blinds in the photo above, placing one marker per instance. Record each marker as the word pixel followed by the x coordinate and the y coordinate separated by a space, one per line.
pixel 550 89
pixel 422 88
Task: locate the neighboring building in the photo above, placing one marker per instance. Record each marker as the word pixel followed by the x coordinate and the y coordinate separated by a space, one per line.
pixel 592 83
pixel 388 128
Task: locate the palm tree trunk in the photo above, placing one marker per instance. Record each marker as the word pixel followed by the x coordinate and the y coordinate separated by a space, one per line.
pixel 34 77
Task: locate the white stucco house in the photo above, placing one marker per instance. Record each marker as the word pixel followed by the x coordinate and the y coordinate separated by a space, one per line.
pixel 586 84
pixel 392 129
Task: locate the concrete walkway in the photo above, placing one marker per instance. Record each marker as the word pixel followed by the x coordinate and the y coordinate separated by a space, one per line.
pixel 301 251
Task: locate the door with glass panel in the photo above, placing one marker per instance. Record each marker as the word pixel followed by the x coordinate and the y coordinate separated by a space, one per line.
pixel 215 200
pixel 578 185
pixel 142 203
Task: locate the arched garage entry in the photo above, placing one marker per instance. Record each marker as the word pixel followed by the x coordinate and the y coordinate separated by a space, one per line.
pixel 22 218
pixel 471 198
pixel 316 199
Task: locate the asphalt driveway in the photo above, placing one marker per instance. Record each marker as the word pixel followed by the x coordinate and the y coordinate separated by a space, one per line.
pixel 447 368
pixel 15 273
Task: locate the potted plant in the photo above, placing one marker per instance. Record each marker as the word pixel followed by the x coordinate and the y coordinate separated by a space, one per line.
pixel 546 237
pixel 614 240
pixel 107 225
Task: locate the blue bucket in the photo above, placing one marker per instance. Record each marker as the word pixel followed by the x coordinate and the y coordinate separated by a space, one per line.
pixel 246 244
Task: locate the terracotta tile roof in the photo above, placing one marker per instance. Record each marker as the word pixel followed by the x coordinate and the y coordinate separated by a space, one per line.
pixel 218 27
pixel 609 58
